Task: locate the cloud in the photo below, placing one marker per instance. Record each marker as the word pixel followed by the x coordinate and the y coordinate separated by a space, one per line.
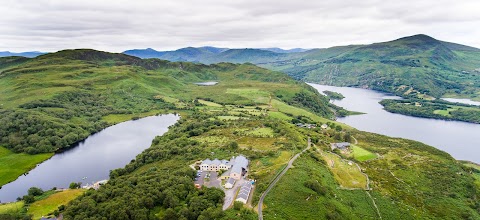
pixel 50 25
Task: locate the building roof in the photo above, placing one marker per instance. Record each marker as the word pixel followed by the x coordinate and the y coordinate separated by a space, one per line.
pixel 231 180
pixel 340 145
pixel 226 173
pixel 241 162
pixel 245 191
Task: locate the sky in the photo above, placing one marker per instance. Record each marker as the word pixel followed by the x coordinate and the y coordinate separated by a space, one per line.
pixel 118 25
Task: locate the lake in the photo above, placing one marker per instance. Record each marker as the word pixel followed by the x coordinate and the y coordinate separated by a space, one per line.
pixel 459 139
pixel 463 101
pixel 93 158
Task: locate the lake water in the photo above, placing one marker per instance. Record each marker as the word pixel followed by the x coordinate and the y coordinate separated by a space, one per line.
pixel 111 148
pixel 464 101
pixel 206 83
pixel 459 139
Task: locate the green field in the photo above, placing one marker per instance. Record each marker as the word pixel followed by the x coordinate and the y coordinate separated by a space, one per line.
pixel 11 207
pixel 348 175
pixel 361 154
pixel 13 165
pixel 261 132
pixel 210 104
pixel 46 206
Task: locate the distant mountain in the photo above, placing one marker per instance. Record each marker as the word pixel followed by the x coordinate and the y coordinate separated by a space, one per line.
pixel 144 53
pixel 30 54
pixel 280 50
pixel 184 54
pixel 415 65
pixel 212 54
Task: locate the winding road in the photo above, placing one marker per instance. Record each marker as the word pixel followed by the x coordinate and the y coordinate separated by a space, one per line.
pixel 272 184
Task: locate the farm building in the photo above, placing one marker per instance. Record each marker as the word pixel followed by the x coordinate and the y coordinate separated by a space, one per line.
pixel 341 146
pixel 230 183
pixel 244 192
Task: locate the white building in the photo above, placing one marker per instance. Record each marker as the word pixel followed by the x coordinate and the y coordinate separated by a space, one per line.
pixel 215 165
pixel 230 183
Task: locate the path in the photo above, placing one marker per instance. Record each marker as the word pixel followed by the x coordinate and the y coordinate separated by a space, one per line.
pixel 260 202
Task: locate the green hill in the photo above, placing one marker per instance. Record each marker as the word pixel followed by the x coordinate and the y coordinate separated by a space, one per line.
pixel 409 66
pixel 56 99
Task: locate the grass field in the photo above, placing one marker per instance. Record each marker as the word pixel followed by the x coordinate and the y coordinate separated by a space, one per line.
pixel 280 115
pixel 361 154
pixel 11 207
pixel 445 112
pixel 291 199
pixel 210 104
pixel 46 206
pixel 13 165
pixel 261 132
pixel 347 175
pixel 228 117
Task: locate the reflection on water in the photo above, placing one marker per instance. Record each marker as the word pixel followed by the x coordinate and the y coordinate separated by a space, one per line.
pixel 92 159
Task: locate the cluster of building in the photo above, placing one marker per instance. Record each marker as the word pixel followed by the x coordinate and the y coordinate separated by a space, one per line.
pixel 234 168
pixel 302 125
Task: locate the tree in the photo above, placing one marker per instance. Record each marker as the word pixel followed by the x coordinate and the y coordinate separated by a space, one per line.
pixel 233 145
pixel 74 185
pixel 237 205
pixel 34 191
pixel 347 137
pixel 28 199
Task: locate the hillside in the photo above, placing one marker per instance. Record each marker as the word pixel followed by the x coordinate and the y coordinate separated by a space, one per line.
pixel 56 99
pixel 409 66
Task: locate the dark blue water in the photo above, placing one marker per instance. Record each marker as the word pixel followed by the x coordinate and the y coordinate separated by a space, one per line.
pixel 459 139
pixel 93 158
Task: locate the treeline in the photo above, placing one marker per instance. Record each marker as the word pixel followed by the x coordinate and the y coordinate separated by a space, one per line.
pixel 333 95
pixel 312 102
pixel 426 109
pixel 44 126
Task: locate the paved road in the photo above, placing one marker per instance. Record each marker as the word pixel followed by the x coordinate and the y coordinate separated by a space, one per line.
pixel 231 193
pixel 260 202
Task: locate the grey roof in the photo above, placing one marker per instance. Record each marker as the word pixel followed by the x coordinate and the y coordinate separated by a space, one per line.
pixel 226 173
pixel 240 162
pixel 216 162
pixel 340 145
pixel 245 191
pixel 225 162
pixel 231 180
pixel 207 161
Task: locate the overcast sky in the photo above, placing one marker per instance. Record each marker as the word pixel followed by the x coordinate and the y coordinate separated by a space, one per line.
pixel 118 25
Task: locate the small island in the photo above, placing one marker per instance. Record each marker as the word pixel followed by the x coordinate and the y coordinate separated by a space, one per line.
pixel 333 95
